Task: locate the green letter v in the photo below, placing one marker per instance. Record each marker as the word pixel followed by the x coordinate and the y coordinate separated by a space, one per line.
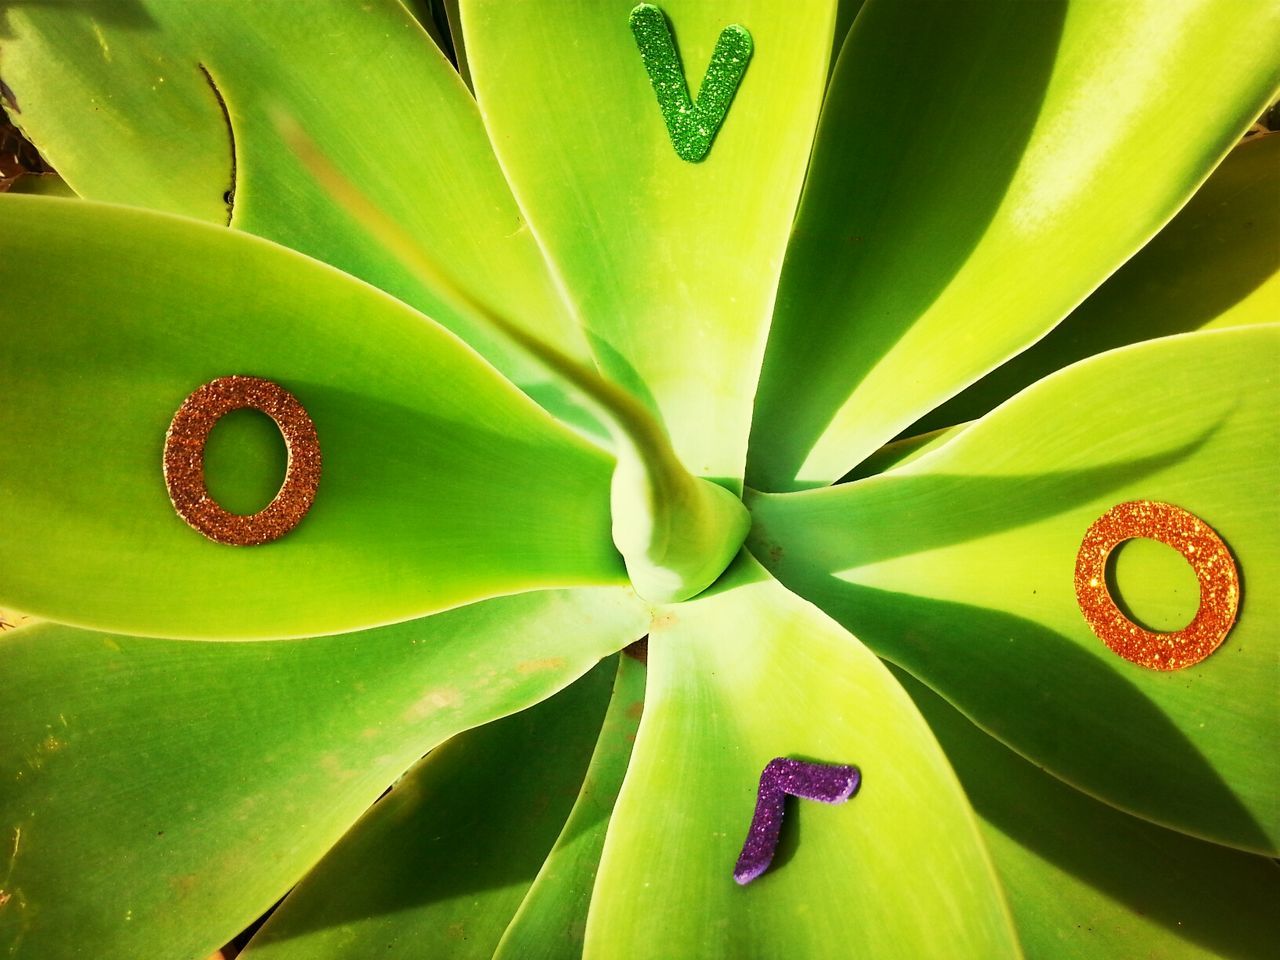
pixel 692 125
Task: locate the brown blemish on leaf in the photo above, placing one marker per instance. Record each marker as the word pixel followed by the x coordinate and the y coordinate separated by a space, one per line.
pixel 665 619
pixel 456 931
pixel 334 768
pixel 185 884
pixel 638 650
pixel 537 666
pixel 636 710
pixel 432 700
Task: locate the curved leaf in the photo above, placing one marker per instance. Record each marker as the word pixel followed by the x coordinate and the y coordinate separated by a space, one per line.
pixel 1087 882
pixel 846 12
pixel 1217 264
pixel 671 265
pixel 901 452
pixel 552 921
pixel 434 21
pixel 159 795
pixel 741 675
pixel 959 567
pixel 956 211
pixel 454 15
pixel 438 866
pixel 676 532
pixel 173 105
pixel 440 485
pixel 44 185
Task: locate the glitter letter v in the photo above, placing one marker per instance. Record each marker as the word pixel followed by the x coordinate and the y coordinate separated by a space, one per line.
pixel 692 125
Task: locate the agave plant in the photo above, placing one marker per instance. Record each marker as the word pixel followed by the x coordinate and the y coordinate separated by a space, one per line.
pixel 582 372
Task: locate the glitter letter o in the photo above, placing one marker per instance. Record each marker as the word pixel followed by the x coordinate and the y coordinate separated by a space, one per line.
pixel 184 461
pixel 1209 557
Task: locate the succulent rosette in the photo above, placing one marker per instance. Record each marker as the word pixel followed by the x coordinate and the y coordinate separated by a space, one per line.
pixel 824 411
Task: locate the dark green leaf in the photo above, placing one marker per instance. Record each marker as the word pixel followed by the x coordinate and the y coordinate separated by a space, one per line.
pixel 551 924
pixel 159 795
pixel 1087 882
pixel 439 865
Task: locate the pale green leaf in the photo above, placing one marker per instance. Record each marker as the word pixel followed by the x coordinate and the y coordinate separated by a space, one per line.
pixel 441 484
pixel 741 675
pixel 671 265
pixel 979 169
pixel 174 105
pixel 1216 265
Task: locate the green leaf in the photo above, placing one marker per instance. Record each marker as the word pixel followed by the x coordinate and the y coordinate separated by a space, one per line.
pixel 676 532
pixel 170 105
pixel 741 675
pixel 672 265
pixel 439 865
pixel 1088 882
pixel 959 567
pixel 1216 265
pixel 441 484
pixel 551 922
pixel 956 211
pixel 159 795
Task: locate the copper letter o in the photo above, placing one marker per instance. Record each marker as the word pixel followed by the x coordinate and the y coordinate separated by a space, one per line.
pixel 184 461
pixel 1209 557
